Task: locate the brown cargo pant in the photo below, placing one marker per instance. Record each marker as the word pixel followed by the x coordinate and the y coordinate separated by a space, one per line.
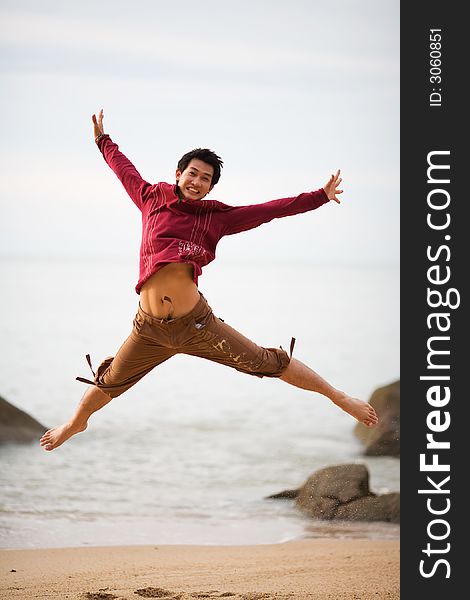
pixel 198 333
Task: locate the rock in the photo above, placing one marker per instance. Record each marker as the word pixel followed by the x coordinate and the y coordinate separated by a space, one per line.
pixel 17 426
pixel 342 492
pixel 321 507
pixel 384 439
pixel 371 508
pixel 342 482
pixel 327 488
pixel 285 494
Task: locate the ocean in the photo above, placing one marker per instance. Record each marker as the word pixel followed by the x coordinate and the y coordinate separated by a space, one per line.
pixel 190 453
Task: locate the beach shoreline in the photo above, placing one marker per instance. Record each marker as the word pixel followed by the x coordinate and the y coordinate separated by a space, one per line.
pixel 320 569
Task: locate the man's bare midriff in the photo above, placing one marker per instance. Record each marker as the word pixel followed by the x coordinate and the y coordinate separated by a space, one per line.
pixel 170 292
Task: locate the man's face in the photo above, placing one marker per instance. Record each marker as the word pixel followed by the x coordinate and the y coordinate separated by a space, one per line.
pixel 195 181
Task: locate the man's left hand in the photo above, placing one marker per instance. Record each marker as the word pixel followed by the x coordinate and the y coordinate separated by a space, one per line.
pixel 331 187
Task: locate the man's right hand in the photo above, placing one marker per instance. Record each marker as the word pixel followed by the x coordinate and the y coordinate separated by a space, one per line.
pixel 98 123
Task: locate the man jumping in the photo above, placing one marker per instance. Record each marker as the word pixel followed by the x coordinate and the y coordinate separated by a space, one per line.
pixel 180 232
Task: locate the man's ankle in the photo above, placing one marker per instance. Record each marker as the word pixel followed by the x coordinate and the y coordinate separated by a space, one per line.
pixel 79 422
pixel 338 397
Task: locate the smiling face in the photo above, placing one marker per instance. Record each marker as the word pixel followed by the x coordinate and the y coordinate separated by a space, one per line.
pixel 196 180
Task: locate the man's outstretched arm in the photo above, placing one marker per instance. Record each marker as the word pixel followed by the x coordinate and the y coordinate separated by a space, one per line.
pixel 137 188
pixel 241 218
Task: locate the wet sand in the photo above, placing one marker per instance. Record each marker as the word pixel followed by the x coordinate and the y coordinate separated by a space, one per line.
pixel 320 569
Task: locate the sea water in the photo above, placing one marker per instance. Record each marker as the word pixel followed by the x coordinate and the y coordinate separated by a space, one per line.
pixel 190 453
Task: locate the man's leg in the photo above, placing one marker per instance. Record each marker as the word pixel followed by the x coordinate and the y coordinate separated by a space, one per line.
pixel 93 400
pixel 301 376
pixel 137 356
pixel 219 342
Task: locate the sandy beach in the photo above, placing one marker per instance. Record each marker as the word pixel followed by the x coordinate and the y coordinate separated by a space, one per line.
pixel 315 569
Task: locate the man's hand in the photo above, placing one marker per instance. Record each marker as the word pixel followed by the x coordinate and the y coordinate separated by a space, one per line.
pixel 331 187
pixel 98 123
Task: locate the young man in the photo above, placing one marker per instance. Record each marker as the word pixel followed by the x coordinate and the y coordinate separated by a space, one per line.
pixel 179 237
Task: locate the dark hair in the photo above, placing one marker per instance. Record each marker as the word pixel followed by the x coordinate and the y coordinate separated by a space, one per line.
pixel 207 156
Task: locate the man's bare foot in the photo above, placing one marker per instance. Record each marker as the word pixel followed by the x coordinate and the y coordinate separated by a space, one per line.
pixel 362 411
pixel 56 437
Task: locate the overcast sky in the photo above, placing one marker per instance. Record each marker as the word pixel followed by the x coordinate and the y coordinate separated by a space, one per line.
pixel 285 92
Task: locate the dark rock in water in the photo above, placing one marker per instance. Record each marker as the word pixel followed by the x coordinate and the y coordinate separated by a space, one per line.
pixel 342 492
pixel 16 426
pixel 384 439
pixel 328 488
pixel 371 508
pixel 343 482
pixel 286 494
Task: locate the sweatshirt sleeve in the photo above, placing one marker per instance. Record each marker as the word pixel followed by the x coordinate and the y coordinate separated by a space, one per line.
pixel 241 218
pixel 135 186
